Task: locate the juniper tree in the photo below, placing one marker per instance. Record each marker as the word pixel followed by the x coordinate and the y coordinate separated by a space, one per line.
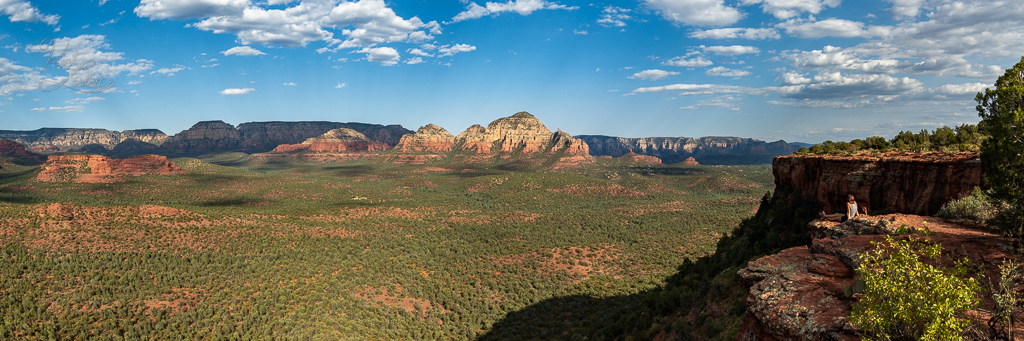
pixel 1002 154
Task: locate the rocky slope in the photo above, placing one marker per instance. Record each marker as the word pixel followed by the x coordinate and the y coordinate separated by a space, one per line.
pixel 891 182
pixel 335 141
pixel 427 139
pixel 806 293
pixel 17 153
pixel 264 136
pixel 73 139
pixel 677 149
pixel 102 169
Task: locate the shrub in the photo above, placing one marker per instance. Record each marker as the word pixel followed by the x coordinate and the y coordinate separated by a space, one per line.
pixel 976 208
pixel 906 299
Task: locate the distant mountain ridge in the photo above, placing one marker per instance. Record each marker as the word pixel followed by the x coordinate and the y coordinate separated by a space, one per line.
pixel 519 132
pixel 706 150
pixel 202 137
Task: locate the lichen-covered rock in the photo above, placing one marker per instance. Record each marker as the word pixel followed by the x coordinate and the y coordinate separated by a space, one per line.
pixel 806 293
pixel 798 295
pixel 856 226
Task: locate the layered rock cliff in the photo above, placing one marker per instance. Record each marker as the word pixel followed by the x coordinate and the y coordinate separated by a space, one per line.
pixel 263 136
pixel 203 137
pixel 890 182
pixel 73 139
pixel 103 169
pixel 677 149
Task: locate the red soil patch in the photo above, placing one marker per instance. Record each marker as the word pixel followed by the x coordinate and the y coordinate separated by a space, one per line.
pixel 396 298
pixel 580 262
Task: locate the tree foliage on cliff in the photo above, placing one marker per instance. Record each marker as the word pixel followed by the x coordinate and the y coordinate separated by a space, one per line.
pixel 965 137
pixel 1002 118
pixel 907 299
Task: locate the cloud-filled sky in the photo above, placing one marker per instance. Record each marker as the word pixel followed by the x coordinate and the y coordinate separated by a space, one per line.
pixel 799 70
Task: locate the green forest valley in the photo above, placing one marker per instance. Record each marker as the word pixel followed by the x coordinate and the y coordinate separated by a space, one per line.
pixel 239 247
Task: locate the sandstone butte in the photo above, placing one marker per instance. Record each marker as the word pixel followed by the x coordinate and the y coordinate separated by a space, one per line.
pixel 427 139
pixel 335 141
pixel 804 292
pixel 102 169
pixel 520 133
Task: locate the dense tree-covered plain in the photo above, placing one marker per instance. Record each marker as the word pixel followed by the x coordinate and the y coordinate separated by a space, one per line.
pixel 244 249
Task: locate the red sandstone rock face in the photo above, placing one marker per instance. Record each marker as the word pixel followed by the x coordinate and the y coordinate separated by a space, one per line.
pixel 521 133
pixel 474 140
pixel 896 182
pixel 17 151
pixel 801 293
pixel 639 159
pixel 102 169
pixel 690 162
pixel 428 139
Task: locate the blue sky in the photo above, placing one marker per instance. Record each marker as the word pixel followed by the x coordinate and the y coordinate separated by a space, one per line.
pixel 799 70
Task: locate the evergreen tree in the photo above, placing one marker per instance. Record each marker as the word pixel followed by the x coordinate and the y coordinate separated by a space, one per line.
pixel 1002 114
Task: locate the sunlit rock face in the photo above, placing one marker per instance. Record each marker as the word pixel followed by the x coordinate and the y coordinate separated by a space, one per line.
pixel 103 169
pixel 521 133
pixel 427 139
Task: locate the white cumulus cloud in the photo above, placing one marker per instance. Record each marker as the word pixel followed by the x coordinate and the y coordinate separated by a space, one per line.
pixel 613 16
pixel 731 50
pixel 653 74
pixel 187 9
pixel 696 12
pixel 24 11
pixel 722 71
pixel 236 91
pixel 242 51
pixel 450 50
pixel 785 9
pixel 736 33
pixel 833 28
pixel 682 61
pixel 523 7
pixel 384 55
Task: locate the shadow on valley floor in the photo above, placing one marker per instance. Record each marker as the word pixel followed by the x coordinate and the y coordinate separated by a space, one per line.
pixel 570 318
pixel 10 194
pixel 226 202
pixel 353 170
pixel 702 300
